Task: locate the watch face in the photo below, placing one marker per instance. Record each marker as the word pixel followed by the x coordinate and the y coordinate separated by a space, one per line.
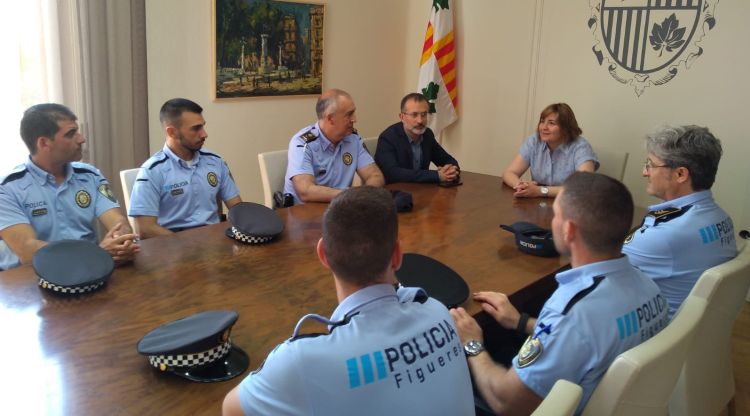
pixel 544 190
pixel 473 348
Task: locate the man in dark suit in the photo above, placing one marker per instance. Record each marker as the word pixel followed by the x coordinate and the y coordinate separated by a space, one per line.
pixel 406 149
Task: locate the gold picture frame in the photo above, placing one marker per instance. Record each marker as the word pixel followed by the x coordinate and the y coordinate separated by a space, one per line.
pixel 267 48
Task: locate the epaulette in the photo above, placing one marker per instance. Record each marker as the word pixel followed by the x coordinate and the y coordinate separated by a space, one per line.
pixel 84 170
pixel 208 154
pixel 308 136
pixel 162 160
pixel 15 175
pixel 580 295
pixel 668 214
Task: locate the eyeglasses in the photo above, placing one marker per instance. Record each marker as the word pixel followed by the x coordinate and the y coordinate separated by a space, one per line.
pixel 647 166
pixel 415 114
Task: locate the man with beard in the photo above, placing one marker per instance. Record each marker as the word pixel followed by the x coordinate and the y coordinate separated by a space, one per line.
pixel 406 149
pixel 324 157
pixel 54 197
pixel 181 186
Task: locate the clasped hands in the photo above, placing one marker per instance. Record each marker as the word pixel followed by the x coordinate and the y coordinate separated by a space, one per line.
pixel 526 189
pixel 121 246
pixel 448 173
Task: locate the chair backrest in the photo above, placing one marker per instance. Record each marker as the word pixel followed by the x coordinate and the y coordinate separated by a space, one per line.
pixel 562 400
pixel 706 384
pixel 640 380
pixel 127 179
pixel 272 172
pixel 612 164
pixel 370 145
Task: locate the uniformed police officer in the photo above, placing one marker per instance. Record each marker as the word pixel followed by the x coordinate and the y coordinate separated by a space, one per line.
pixel 53 197
pixel 324 157
pixel 181 186
pixel 687 233
pixel 602 307
pixel 388 352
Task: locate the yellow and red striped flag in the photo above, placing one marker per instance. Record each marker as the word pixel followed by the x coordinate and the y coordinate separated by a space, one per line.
pixel 437 67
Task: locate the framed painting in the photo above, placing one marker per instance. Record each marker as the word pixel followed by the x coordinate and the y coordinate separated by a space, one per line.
pixel 267 48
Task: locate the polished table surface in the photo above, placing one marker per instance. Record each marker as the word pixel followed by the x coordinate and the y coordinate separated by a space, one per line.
pixel 77 356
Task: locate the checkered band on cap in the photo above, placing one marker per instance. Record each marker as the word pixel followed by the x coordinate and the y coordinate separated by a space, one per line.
pixel 239 236
pixel 191 360
pixel 71 290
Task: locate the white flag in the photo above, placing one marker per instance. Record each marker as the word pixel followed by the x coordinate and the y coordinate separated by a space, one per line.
pixel 437 67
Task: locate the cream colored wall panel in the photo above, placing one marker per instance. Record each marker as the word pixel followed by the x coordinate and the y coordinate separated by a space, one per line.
pixel 363 54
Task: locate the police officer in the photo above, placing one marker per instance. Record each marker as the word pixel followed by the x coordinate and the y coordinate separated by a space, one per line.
pixel 687 233
pixel 324 157
pixel 53 197
pixel 387 351
pixel 181 186
pixel 602 307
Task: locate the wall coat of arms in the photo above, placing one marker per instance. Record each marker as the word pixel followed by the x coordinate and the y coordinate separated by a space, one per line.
pixel 643 43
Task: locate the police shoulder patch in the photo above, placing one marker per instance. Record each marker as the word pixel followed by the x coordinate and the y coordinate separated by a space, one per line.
pixel 529 352
pixel 106 191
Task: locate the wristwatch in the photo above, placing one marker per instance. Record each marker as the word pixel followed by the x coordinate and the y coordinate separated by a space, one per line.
pixel 544 190
pixel 473 348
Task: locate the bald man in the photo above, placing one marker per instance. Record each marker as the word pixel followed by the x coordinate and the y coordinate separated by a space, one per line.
pixel 324 157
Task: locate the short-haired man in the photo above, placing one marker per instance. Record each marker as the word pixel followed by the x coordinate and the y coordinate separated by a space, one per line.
pixel 181 186
pixel 602 307
pixel 324 157
pixel 388 351
pixel 687 233
pixel 53 196
pixel 406 149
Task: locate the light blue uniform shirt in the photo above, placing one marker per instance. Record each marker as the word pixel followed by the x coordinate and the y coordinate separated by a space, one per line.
pixel 675 249
pixel 29 195
pixel 386 355
pixel 179 194
pixel 624 309
pixel 331 166
pixel 553 168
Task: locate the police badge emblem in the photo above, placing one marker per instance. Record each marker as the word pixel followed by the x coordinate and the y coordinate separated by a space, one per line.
pixel 212 179
pixel 83 199
pixel 643 43
pixel 529 352
pixel 106 191
pixel 347 158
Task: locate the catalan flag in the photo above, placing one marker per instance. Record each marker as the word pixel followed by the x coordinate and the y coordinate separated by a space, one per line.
pixel 437 67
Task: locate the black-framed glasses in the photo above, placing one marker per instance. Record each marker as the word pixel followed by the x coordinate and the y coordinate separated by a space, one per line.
pixel 416 114
pixel 647 166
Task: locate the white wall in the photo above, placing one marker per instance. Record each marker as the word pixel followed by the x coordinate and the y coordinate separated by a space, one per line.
pixel 363 49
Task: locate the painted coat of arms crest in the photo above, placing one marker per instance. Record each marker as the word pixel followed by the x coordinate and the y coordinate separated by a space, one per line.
pixel 644 42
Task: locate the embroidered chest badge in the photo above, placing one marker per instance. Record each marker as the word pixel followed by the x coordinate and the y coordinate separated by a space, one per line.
pixel 212 179
pixel 83 199
pixel 347 158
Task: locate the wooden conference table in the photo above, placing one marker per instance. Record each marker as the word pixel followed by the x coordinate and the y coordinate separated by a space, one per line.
pixel 77 356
